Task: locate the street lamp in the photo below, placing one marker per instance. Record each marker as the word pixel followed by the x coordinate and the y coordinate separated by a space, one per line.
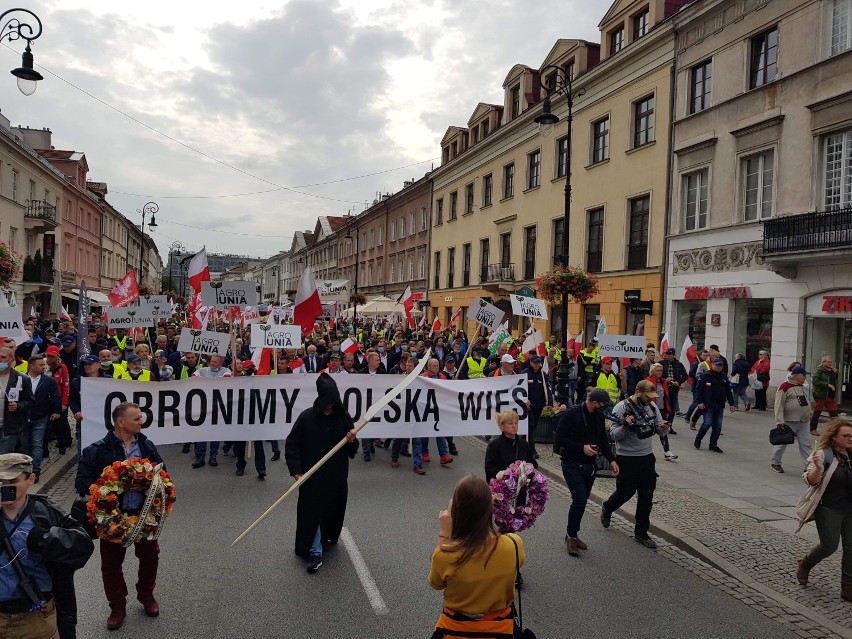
pixel 558 84
pixel 152 208
pixel 13 30
pixel 350 222
pixel 176 248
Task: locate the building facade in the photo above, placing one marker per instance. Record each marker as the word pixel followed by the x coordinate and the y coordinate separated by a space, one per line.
pixel 761 211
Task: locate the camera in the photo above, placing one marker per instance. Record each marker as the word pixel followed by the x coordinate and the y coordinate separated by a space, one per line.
pixel 641 426
pixel 803 401
pixel 8 493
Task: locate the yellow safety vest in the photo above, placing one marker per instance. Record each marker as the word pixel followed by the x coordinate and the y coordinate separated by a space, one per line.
pixel 558 355
pixel 23 367
pixel 145 376
pixel 476 370
pixel 609 383
pixel 589 356
pixel 121 343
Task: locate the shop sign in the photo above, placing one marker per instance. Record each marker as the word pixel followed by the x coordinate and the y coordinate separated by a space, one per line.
pixel 831 303
pixel 632 295
pixel 642 307
pixel 526 291
pixel 712 292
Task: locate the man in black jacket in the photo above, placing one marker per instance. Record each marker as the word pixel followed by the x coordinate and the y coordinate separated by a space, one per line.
pixel 16 399
pixel 580 437
pixel 713 389
pixel 47 407
pixel 675 375
pixel 123 441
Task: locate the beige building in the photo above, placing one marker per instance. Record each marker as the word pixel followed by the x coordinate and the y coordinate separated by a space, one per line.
pixel 498 198
pixel 762 194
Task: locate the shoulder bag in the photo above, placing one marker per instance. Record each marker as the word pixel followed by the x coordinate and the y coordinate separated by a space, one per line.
pixel 520 631
pixel 806 508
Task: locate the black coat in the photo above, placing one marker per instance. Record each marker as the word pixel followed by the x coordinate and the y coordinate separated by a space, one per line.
pixel 15 422
pixel 74 397
pixel 102 453
pixel 320 363
pixel 713 389
pixel 502 452
pixel 322 498
pixel 46 398
pixel 576 428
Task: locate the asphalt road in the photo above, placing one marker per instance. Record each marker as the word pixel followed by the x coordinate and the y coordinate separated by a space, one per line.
pixel 259 589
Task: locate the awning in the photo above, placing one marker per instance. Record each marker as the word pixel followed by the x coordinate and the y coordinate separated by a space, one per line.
pixel 99 299
pixel 71 296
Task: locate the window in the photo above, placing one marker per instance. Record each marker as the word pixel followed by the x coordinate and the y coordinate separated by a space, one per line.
pixel 475 134
pixel 402 227
pixel 15 176
pixel 437 269
pixel 393 231
pixel 424 218
pixel 413 222
pixel 484 249
pixel 466 265
pixel 616 41
pixel 534 169
pixel 451 266
pixel 509 180
pixel 421 266
pixel 32 190
pixel 379 271
pixel 640 24
pixel 841 26
pixel 484 129
pixel 454 149
pixel 695 187
pixel 516 101
pixel 643 121
pixel 838 170
pixel 764 58
pixel 401 275
pixel 592 314
pixel 562 157
pixel 594 245
pixel 410 268
pixel 13 239
pixel 758 181
pixel 487 189
pixel 529 253
pixel 372 238
pixel 439 212
pixel 637 250
pixel 381 235
pixel 454 205
pixel 600 136
pixel 505 249
pixel 569 69
pixel 558 241
pixel 445 155
pixel 700 86
pixel 468 197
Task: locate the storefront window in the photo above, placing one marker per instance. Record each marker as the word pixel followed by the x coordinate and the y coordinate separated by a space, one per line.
pixel 590 325
pixel 691 321
pixel 752 327
pixel 634 322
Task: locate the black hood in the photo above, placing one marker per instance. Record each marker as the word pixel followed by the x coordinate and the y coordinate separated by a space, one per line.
pixel 326 392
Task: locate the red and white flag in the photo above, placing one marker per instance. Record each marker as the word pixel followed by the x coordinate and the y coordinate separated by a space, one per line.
pixel 126 291
pixel 65 314
pixel 198 271
pixel 687 353
pixel 578 344
pixel 664 345
pixel 456 316
pixel 349 346
pixel 408 304
pixel 533 342
pixel 308 305
pixel 196 314
pixel 436 327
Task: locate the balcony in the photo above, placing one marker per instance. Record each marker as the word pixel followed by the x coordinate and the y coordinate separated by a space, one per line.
pixel 497 273
pixel 637 256
pixel 41 212
pixel 791 239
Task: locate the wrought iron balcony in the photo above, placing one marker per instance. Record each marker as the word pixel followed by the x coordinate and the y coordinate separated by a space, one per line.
pixel 815 231
pixel 41 210
pixel 38 274
pixel 497 273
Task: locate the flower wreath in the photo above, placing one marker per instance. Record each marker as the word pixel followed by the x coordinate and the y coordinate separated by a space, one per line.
pixel 104 507
pixel 520 493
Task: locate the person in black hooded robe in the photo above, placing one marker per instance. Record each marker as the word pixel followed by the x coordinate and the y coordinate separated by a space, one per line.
pixel 322 498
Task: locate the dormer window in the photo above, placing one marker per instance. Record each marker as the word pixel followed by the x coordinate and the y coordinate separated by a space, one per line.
pixel 569 69
pixel 475 134
pixel 446 154
pixel 484 129
pixel 640 24
pixel 616 40
pixel 455 149
pixel 516 101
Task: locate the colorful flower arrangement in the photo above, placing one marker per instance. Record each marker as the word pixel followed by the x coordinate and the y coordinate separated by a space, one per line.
pixel 572 281
pixel 10 265
pixel 549 412
pixel 520 493
pixel 358 299
pixel 104 507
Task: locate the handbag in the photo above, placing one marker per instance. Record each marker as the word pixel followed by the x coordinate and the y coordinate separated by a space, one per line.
pixel 781 435
pixel 754 382
pixel 520 631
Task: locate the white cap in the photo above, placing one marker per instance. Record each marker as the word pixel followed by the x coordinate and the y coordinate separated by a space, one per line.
pixel 507 359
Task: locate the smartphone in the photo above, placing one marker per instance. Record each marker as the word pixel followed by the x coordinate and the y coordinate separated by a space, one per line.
pixel 8 493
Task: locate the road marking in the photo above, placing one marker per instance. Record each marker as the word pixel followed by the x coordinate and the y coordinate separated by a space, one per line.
pixel 364 574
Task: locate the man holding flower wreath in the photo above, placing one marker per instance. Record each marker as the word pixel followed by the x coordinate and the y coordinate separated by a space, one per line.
pixel 123 441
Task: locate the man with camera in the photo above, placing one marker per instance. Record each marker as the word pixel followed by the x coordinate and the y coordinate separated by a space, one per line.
pixel 637 419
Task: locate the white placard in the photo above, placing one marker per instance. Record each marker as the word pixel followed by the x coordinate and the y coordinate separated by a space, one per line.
pixel 621 345
pixel 224 295
pixel 528 307
pixel 485 314
pixel 127 316
pixel 11 323
pixel 333 290
pixel 203 342
pixel 160 304
pixel 251 315
pixel 276 336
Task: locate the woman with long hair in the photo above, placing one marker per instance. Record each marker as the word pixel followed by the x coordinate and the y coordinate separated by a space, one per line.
pixel 830 468
pixel 474 565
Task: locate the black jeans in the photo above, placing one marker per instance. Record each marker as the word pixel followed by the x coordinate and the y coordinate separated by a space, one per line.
pixel 760 398
pixel 637 476
pixel 259 456
pixel 533 416
pixel 579 478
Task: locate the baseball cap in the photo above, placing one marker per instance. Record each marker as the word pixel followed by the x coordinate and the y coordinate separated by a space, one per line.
pixel 536 359
pixel 90 359
pixel 670 351
pixel 53 351
pixel 646 388
pixel 68 339
pixel 600 395
pixel 799 370
pixel 133 358
pixel 718 361
pixel 247 363
pixel 606 360
pixel 13 464
pixel 507 359
pixel 335 355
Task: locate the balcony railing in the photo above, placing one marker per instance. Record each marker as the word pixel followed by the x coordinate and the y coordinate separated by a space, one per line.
pixel 594 261
pixel 38 274
pixel 808 232
pixel 41 210
pixel 494 273
pixel 637 256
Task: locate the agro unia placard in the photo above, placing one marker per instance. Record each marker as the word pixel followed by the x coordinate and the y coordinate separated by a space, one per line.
pixel 276 336
pixel 528 307
pixel 203 342
pixel 224 295
pixel 485 314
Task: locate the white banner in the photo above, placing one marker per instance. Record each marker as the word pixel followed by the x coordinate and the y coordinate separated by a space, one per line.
pixel 224 295
pixel 528 307
pixel 11 323
pixel 621 345
pixel 276 336
pixel 265 407
pixel 485 314
pixel 127 316
pixel 333 290
pixel 203 342
pixel 160 304
pixel 251 315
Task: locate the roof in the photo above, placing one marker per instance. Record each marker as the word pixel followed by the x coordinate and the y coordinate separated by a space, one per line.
pixel 14 139
pixel 336 221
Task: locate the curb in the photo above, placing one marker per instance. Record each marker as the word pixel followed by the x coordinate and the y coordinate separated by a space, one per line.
pixel 55 471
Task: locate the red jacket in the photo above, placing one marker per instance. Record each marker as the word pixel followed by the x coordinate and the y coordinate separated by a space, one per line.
pixel 60 376
pixel 761 368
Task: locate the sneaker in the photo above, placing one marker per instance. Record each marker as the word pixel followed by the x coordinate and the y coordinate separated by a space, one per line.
pixel 213 461
pixel 670 456
pixel 571 546
pixel 646 541
pixel 581 545
pixel 275 456
pixel 314 563
pixel 716 449
pixel 454 451
pixel 605 518
pixel 446 459
pixel 426 458
pixel 419 470
pixel 777 468
pixel 394 463
pixel 198 463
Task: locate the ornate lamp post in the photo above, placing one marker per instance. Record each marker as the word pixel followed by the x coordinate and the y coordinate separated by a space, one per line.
pixel 352 221
pixel 14 29
pixel 152 208
pixel 175 248
pixel 560 83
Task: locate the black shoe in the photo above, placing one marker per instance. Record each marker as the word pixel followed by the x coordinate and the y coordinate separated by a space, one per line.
pixel 327 544
pixel 373 449
pixel 213 461
pixel 404 452
pixel 198 463
pixel 240 472
pixel 605 518
pixel 185 448
pixel 697 444
pixel 536 455
pixel 454 451
pixel 646 541
pixel 261 476
pixel 672 431
pixel 367 456
pixel 314 563
pixel 386 444
pixel 275 456
pixel 716 449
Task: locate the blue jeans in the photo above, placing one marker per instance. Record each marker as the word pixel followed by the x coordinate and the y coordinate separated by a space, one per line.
pixel 443 448
pixel 276 448
pixel 201 449
pixel 572 391
pixel 579 478
pixel 741 393
pixel 32 442
pixel 316 544
pixel 9 444
pixel 692 413
pixel 712 420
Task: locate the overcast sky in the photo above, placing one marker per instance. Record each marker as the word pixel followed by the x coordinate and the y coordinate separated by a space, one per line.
pixel 294 93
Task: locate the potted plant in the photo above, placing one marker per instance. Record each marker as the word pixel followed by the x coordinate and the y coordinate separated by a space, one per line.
pixel 572 281
pixel 358 298
pixel 546 429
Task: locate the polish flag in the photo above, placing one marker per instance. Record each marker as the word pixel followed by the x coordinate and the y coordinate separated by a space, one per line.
pixel 532 343
pixel 262 360
pixel 126 291
pixel 407 303
pixel 436 327
pixel 308 305
pixel 198 271
pixel 65 314
pixel 456 316
pixel 349 346
pixel 664 345
pixel 687 353
pixel 196 315
pixel 578 344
